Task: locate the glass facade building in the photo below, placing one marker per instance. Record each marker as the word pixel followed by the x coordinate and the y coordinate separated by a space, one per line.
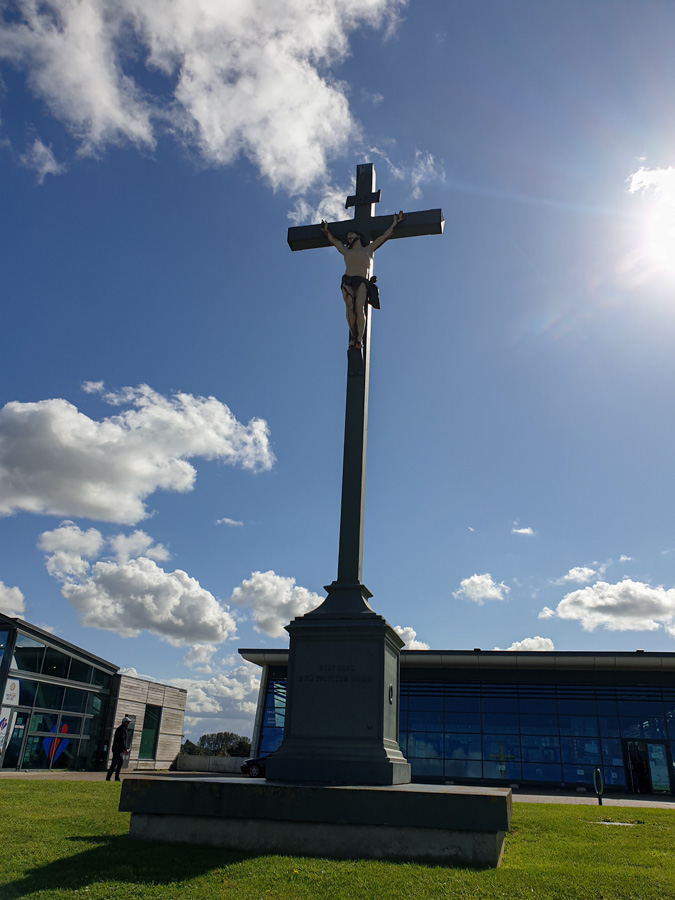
pixel 60 705
pixel 537 719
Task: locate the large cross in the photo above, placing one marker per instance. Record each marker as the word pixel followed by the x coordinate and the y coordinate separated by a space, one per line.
pixel 348 594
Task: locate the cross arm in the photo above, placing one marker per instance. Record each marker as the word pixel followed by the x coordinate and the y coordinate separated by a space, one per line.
pixel 309 237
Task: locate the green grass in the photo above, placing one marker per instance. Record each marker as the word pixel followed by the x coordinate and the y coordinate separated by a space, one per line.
pixel 66 839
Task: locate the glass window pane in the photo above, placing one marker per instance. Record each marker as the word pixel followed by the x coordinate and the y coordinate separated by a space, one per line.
pixel 72 724
pixel 28 654
pixel 462 722
pixel 498 704
pixel 403 742
pixel 80 671
pixel 42 721
pixel 500 723
pixel 75 700
pixel 463 704
pixel 49 696
pixel 26 690
pixel 532 706
pixel 270 740
pixel 459 768
pixel 580 750
pixel 508 771
pixel 93 702
pixel 578 725
pixel 607 707
pixel 609 726
pixel 640 708
pixel 539 725
pixel 34 756
pixel 501 747
pixel 56 664
pixel 614 776
pixel 4 637
pixel 634 727
pixel 574 707
pixel 462 746
pixel 427 745
pixel 150 732
pixel 540 748
pixel 612 754
pixel 101 679
pixel 425 720
pixel 541 772
pixel 578 774
pixel 422 701
pixel 65 753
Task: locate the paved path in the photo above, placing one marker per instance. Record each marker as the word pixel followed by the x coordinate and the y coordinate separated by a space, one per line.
pixel 666 801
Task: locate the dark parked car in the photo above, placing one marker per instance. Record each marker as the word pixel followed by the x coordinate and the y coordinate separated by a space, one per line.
pixel 255 767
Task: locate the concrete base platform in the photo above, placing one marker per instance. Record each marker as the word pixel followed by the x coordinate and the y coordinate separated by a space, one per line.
pixel 438 824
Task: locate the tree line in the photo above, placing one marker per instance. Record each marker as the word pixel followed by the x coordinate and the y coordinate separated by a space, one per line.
pixel 222 743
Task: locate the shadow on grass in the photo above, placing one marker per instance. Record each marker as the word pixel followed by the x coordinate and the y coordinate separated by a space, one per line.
pixel 121 859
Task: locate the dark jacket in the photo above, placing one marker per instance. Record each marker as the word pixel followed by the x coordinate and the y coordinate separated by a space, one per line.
pixel 120 739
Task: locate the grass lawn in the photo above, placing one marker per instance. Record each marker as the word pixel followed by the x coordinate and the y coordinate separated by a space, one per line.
pixel 66 839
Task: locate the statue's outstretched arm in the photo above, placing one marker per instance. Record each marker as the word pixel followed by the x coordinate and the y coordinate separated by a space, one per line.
pixel 398 217
pixel 330 237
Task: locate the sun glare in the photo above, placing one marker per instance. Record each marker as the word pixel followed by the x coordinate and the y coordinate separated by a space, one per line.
pixel 656 250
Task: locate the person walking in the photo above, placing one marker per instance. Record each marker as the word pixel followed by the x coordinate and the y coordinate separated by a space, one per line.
pixel 119 749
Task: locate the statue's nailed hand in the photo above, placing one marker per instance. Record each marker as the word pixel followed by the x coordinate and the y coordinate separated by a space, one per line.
pixel 398 217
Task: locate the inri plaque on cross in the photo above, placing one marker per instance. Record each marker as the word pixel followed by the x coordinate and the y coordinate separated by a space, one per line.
pixel 341 718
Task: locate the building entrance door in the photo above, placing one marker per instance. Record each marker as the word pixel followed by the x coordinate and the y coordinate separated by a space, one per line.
pixel 648 769
pixel 16 738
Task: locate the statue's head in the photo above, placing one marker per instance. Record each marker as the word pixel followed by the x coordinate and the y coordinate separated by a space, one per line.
pixel 355 236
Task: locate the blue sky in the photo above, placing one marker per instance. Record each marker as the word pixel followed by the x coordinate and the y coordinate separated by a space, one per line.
pixel 172 377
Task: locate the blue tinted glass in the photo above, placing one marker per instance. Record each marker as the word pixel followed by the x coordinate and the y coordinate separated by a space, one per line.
pixel 499 704
pixel 458 768
pixel 541 772
pixel 403 742
pixel 612 754
pixel 539 724
pixel 462 746
pixel 274 718
pixel 4 637
pixel 270 740
pixel 466 704
pixel 578 725
pixel 508 771
pixel 634 727
pixel 537 706
pixel 402 700
pixel 430 768
pixel 49 696
pixel 425 720
pixel 536 748
pixel 427 745
pixel 609 726
pixel 502 747
pixel 500 723
pixel 614 776
pixel 671 728
pixel 575 707
pixel 640 708
pixel 75 701
pixel 416 701
pixel 43 721
pixel 607 708
pixel 578 774
pixel 462 722
pixel 580 750
pixel 28 654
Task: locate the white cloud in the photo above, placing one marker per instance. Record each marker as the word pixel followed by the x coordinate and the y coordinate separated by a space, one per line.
pixel 274 601
pixel 527 530
pixel 409 635
pixel 226 521
pixel 480 588
pixel 40 157
pixel 230 694
pixel 624 558
pixel 533 643
pixel 128 596
pixel 330 207
pixel 625 606
pixel 660 182
pixel 199 657
pixel 580 574
pixel 56 460
pixel 138 543
pixel 230 79
pixel 11 601
pixel 425 169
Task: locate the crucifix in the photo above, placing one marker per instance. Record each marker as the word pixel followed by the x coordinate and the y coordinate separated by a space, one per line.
pixel 342 712
pixel 372 228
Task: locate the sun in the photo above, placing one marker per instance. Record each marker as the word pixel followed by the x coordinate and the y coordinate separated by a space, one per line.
pixel 657 239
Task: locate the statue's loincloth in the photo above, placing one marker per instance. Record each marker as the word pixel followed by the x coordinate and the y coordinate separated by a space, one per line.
pixel 372 291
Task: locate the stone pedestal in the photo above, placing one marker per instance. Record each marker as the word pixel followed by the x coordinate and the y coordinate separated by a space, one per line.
pixel 433 824
pixel 342 697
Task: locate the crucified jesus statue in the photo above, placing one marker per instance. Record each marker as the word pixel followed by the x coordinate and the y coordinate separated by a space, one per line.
pixel 358 282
